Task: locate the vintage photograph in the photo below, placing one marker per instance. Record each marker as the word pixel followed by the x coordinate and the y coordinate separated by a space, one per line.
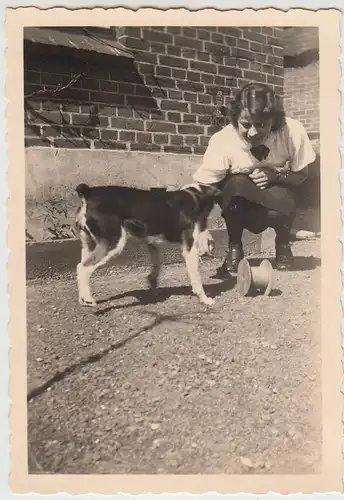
pixel 173 237
pixel 174 250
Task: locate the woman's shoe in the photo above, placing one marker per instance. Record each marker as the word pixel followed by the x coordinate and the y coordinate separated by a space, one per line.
pixel 284 258
pixel 231 262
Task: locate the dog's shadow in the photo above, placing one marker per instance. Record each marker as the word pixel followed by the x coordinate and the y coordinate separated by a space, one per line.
pixel 148 296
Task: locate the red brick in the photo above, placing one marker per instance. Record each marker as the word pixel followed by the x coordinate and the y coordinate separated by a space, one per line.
pixel 126 136
pixel 199 150
pixel 267 69
pixel 142 90
pixel 189 118
pixel 109 134
pixel 193 76
pixel 69 131
pixel 275 80
pixel 106 98
pixel 174 117
pixel 140 102
pixel 174 105
pixel 175 94
pixel 189 42
pixel 160 126
pixel 233 32
pixel 162 81
pixel 204 140
pixel 146 57
pixel 188 53
pixel 267 31
pixel 191 86
pixel 32 77
pixel 173 50
pixel 178 149
pixel 122 123
pixel 258 37
pixel 229 71
pixel 157 36
pixel 204 99
pixel 109 145
pixel 32 130
pixel 178 73
pixel 207 78
pixel 135 43
pixel 144 137
pixel 174 30
pixel 203 56
pixel 278 51
pixel 203 34
pixel 243 44
pixel 243 54
pixel 132 31
pixel 145 147
pixel 49 131
pixel 37 142
pixel 190 140
pixel 255 76
pixel 214 48
pixel 92 133
pixel 176 62
pixel 190 129
pixel 274 41
pixel 204 119
pixel 160 138
pixel 190 32
pixel 52 117
pixel 203 66
pixel 176 140
pixel 190 96
pixel 163 71
pixel 107 86
pixel 108 111
pixel 72 143
pixel 201 109
pixel 91 84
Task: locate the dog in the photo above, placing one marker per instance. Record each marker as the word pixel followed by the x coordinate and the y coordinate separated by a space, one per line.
pixel 108 215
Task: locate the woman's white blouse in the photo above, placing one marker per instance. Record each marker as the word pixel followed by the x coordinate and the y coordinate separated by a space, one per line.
pixel 290 149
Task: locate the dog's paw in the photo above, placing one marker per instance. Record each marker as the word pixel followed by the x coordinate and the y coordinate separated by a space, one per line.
pixel 87 302
pixel 208 301
pixel 152 282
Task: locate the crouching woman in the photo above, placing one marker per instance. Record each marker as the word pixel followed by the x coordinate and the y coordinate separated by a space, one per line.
pixel 257 161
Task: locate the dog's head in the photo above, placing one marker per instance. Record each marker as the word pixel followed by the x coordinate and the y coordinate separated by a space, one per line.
pixel 202 191
pixel 206 196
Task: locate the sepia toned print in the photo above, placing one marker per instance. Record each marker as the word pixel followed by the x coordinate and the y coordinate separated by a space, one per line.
pixel 190 153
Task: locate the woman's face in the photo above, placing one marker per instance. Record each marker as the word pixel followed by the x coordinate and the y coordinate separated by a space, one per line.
pixel 254 129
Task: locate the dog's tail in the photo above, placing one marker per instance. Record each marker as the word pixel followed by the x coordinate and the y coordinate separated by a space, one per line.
pixel 83 191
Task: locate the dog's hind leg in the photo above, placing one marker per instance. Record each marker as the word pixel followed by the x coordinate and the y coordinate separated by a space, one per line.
pixel 91 260
pixel 191 257
pixel 153 276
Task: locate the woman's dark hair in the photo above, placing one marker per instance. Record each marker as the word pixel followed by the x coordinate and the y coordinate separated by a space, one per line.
pixel 260 100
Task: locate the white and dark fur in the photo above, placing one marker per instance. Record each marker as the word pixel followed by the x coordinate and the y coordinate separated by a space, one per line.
pixel 109 214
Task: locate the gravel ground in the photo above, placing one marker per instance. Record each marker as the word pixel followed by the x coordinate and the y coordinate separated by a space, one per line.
pixel 173 387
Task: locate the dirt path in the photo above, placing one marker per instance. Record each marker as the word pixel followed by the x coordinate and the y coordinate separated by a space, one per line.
pixel 174 387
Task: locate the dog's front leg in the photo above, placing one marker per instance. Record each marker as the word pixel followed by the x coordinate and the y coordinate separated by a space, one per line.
pixel 191 257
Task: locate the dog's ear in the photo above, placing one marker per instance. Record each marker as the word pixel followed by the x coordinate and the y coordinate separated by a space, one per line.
pixel 210 190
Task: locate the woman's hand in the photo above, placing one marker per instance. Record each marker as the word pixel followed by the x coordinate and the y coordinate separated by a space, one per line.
pixel 263 177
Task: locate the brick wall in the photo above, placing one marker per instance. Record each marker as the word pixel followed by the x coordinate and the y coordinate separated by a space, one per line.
pixel 301 78
pixel 170 99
